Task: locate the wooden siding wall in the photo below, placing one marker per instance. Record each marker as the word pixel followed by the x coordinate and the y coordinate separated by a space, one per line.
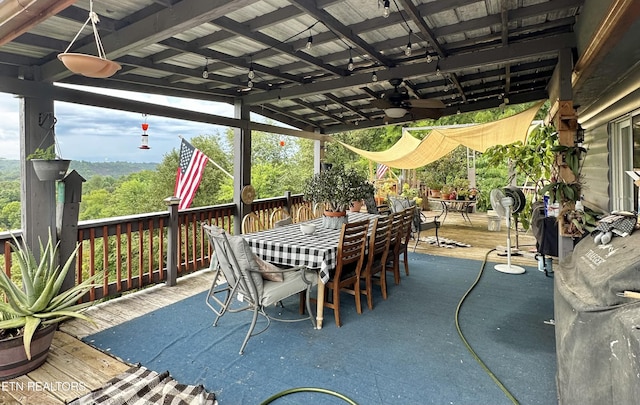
pixel 596 169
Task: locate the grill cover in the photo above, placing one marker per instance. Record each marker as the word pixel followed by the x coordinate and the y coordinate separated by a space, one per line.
pixel 598 332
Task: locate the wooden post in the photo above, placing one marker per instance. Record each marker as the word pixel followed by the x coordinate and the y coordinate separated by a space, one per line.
pixel 288 204
pixel 67 214
pixel 241 165
pixel 172 241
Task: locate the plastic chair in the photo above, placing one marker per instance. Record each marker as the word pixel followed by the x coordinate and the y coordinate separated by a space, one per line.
pixel 242 278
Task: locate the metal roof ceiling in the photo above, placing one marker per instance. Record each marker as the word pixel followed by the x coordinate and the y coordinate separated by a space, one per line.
pixel 481 53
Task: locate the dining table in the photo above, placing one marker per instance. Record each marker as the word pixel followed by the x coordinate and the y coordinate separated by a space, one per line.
pixel 288 246
pixel 461 206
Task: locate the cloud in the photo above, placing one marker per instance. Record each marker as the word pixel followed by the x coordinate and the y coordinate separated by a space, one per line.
pixel 99 134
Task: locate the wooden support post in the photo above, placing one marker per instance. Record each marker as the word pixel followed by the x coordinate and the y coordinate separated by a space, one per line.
pixel 172 241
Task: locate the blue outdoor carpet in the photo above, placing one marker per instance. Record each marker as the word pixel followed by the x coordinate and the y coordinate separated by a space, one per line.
pixel 405 351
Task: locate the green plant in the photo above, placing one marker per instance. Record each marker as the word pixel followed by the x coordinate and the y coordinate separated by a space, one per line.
pixel 337 187
pixel 39 301
pixel 45 154
pixel 446 189
pixel 435 185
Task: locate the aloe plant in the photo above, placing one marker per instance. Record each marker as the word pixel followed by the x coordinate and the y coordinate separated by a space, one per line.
pixel 40 302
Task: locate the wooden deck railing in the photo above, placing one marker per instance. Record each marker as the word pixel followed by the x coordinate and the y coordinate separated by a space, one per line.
pixel 131 251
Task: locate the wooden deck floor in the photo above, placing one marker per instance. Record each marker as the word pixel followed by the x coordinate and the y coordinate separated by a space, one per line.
pixel 74 368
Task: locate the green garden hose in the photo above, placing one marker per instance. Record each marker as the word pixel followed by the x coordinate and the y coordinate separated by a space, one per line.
pixel 464 340
pixel 308 389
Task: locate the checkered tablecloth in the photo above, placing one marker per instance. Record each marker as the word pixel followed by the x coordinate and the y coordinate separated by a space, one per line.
pixel 288 246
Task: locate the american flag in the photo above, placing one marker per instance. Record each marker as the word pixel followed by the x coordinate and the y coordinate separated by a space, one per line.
pixel 381 170
pixel 190 168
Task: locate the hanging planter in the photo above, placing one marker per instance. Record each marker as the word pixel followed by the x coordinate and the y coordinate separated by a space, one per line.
pixel 89 65
pixel 48 170
pixel 47 163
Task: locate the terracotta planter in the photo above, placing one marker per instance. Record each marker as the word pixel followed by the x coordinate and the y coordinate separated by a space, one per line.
pixel 13 359
pixel 445 196
pixel 356 206
pixel 435 193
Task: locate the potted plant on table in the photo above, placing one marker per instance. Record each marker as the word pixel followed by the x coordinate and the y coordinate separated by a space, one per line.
pixel 337 188
pixel 48 165
pixel 33 305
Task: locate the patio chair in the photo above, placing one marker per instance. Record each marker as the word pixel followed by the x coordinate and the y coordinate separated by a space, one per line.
pixel 397 231
pixel 244 283
pixel 375 262
pixel 251 223
pixel 304 214
pixel 278 215
pixel 350 257
pixel 421 222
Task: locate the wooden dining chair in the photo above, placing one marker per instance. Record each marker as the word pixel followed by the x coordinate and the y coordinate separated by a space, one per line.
pixel 407 219
pixel 304 214
pixel 397 228
pixel 374 268
pixel 276 216
pixel 251 223
pixel 350 257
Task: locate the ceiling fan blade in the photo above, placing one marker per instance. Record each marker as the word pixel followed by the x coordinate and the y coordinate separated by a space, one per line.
pixel 426 103
pixel 426 113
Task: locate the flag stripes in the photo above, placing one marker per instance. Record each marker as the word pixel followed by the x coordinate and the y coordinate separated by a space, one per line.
pixel 190 169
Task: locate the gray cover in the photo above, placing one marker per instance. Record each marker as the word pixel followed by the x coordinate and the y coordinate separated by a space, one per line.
pixel 597 332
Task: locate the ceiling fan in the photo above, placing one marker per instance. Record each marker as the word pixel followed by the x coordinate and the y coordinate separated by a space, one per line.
pixel 396 103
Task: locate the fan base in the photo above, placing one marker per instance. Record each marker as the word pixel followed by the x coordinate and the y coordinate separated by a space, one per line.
pixel 509 269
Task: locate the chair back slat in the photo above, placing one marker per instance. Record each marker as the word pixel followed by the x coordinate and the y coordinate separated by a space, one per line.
pixel 352 244
pixel 380 238
pixel 251 223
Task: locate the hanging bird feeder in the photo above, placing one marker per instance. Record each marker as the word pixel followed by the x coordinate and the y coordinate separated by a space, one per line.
pixel 89 65
pixel 144 139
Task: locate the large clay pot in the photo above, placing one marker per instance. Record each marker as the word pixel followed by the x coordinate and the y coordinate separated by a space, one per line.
pixel 356 206
pixel 334 220
pixel 13 358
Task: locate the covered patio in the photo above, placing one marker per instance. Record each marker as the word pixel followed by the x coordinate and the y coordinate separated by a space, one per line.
pixel 309 69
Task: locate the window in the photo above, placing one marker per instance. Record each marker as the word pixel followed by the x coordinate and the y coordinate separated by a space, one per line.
pixel 625 155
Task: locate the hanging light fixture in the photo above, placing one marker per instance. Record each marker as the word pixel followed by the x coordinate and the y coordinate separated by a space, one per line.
pixel 407 50
pixel 144 141
pixel 386 11
pixel 429 58
pixel 395 112
pixel 309 41
pixel 251 74
pixel 205 71
pixel 250 84
pixel 374 77
pixel 350 66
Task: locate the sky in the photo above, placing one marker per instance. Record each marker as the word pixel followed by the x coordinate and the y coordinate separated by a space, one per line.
pixel 103 135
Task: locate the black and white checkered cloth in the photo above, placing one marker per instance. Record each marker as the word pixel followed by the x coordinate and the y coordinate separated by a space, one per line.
pixel 288 246
pixel 622 225
pixel 141 386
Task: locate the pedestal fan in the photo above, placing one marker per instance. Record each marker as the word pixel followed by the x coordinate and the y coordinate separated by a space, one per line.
pixel 502 205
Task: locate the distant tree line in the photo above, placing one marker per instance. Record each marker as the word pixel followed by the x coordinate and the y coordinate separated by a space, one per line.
pixel 279 164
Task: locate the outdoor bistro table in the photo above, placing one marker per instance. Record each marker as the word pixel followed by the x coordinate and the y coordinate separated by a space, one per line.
pixel 288 246
pixel 461 206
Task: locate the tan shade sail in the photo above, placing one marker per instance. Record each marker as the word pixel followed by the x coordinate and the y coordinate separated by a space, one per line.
pixel 411 153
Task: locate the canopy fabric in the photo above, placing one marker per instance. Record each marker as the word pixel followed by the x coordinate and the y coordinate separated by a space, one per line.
pixel 407 154
pixel 406 143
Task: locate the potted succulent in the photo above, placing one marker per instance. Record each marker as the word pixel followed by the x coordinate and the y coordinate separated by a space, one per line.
pixel 337 188
pixel 48 165
pixel 33 305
